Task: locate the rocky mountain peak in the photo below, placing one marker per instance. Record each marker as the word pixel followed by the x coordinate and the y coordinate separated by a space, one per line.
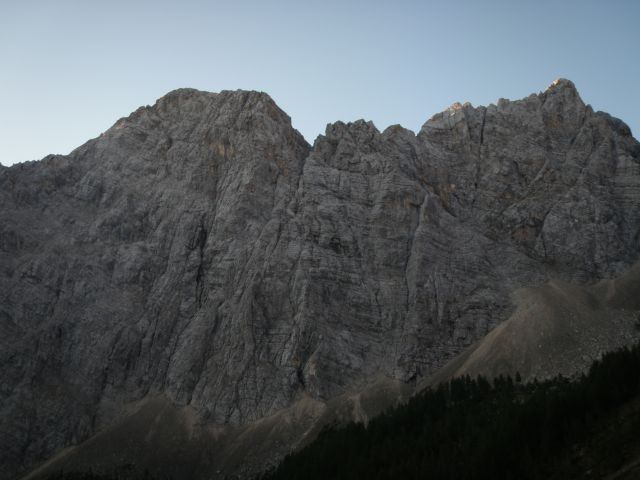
pixel 204 110
pixel 562 96
pixel 561 84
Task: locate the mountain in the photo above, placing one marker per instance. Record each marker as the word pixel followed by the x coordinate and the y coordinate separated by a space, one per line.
pixel 200 267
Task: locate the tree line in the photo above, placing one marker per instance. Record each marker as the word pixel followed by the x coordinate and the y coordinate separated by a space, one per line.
pixel 476 429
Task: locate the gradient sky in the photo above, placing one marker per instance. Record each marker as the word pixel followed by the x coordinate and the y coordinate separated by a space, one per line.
pixel 70 69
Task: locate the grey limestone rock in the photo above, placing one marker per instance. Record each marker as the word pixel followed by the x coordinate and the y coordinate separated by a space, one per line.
pixel 202 250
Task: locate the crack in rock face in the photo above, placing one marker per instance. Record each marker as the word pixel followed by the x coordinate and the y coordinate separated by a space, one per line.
pixel 200 249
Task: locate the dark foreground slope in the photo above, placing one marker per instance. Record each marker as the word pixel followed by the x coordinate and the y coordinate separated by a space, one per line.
pixel 199 261
pixel 471 429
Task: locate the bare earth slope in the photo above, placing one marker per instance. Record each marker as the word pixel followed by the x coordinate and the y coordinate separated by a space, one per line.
pixel 200 251
pixel 557 328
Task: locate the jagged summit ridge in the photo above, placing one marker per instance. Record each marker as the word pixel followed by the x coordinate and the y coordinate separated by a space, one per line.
pixel 201 250
pixel 561 95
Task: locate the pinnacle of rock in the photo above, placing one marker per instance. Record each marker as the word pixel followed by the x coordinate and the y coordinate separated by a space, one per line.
pixel 561 83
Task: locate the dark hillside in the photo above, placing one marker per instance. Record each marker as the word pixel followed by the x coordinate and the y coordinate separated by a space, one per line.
pixel 471 429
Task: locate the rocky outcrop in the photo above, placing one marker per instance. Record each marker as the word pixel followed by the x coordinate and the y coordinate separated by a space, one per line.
pixel 201 250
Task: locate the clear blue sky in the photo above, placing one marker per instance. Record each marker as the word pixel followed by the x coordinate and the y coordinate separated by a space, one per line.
pixel 70 69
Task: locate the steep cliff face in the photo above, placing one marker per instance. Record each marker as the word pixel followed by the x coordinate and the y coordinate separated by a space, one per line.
pixel 132 266
pixel 200 249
